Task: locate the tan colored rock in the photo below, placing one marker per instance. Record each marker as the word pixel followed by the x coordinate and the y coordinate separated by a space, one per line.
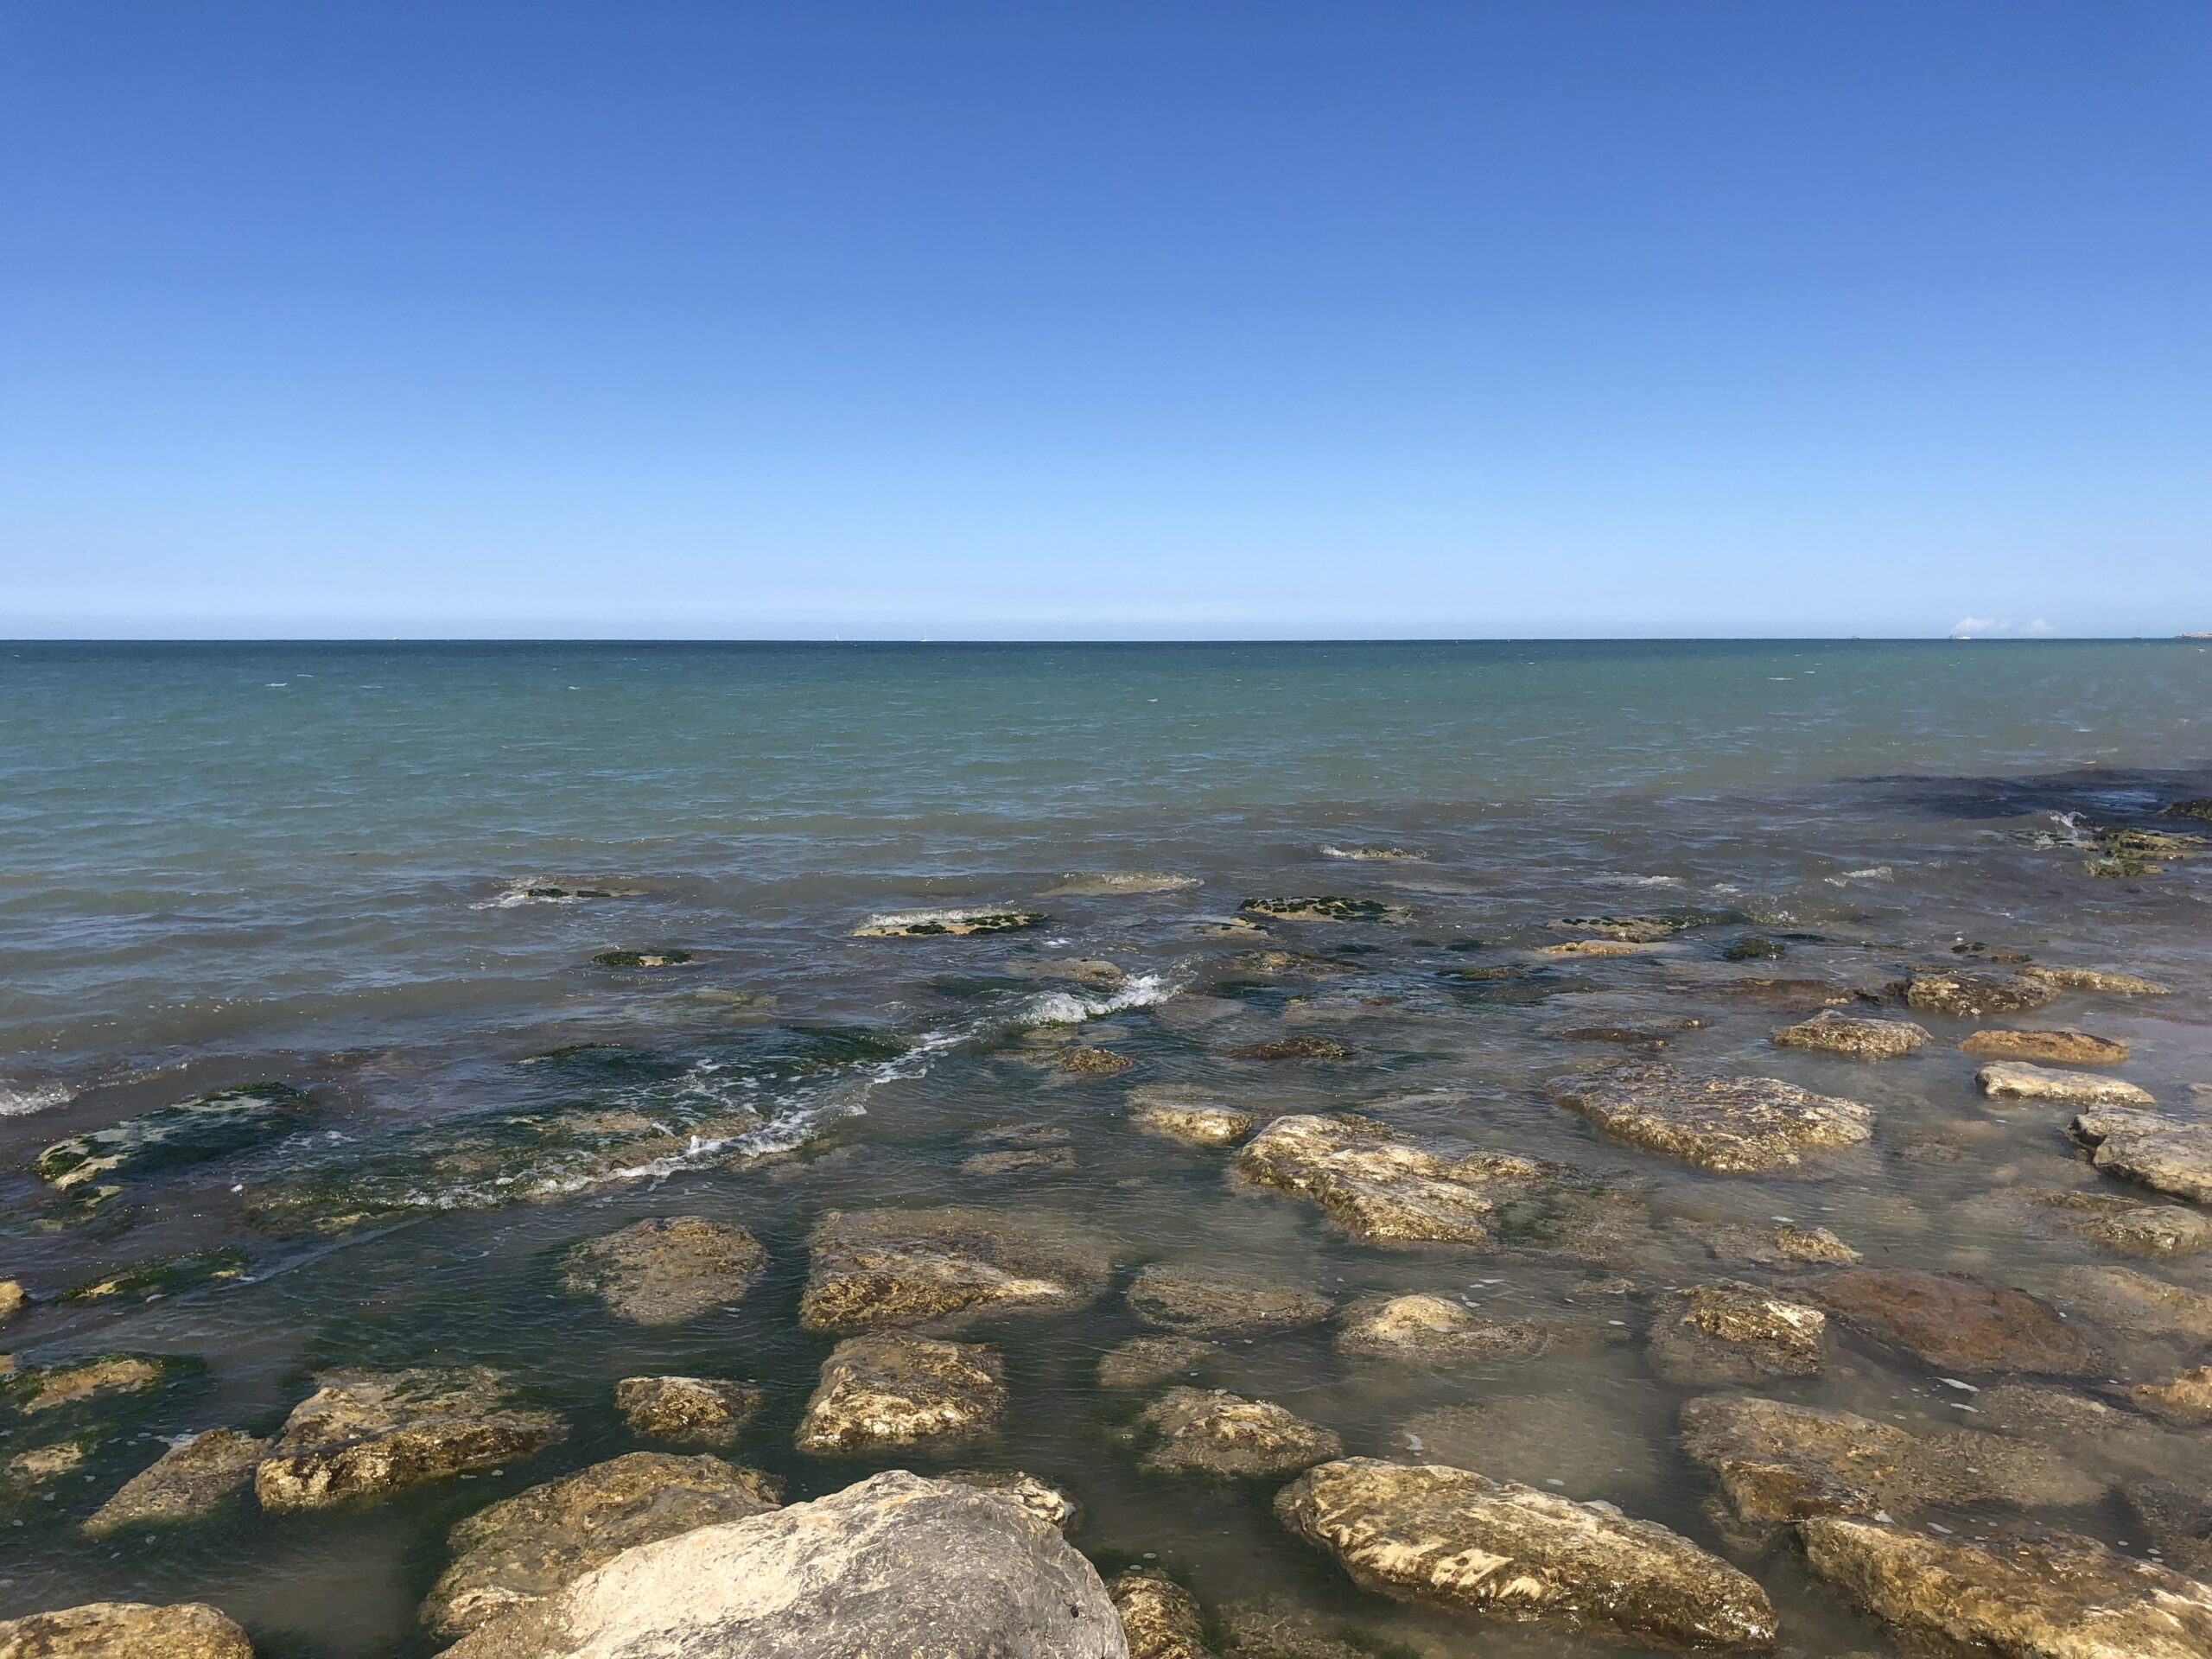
pixel 1294 1048
pixel 1142 1361
pixel 1853 1037
pixel 1967 996
pixel 1204 1301
pixel 1729 1125
pixel 2165 1154
pixel 1041 1497
pixel 2126 1224
pixel 2017 1080
pixel 875 1269
pixel 1087 1060
pixel 2187 1399
pixel 1190 1115
pixel 706 1410
pixel 952 921
pixel 1424 1329
pixel 13 1299
pixel 1730 1332
pixel 44 1463
pixel 1957 1323
pixel 1380 1188
pixel 1108 884
pixel 2062 1047
pixel 367 1434
pixel 1811 1244
pixel 1451 1537
pixel 2095 979
pixel 1080 969
pixel 49 1387
pixel 2135 1305
pixel 664 1271
pixel 126 1630
pixel 2060 1597
pixel 892 1390
pixel 1598 947
pixel 1160 1618
pixel 1224 1434
pixel 187 1482
pixel 1028 1160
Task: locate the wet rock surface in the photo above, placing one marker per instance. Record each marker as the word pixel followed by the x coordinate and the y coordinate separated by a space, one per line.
pixel 1222 1433
pixel 1381 1188
pixel 882 1391
pixel 1426 1330
pixel 36 1388
pixel 709 1411
pixel 528 1546
pixel 2163 1152
pixel 1451 1537
pixel 1956 1322
pixel 1730 1332
pixel 874 1268
pixel 1728 1125
pixel 955 921
pixel 207 1126
pixel 367 1434
pixel 1190 1116
pixel 2053 1047
pixel 1142 1361
pixel 2138 1228
pixel 2135 1305
pixel 1205 1301
pixel 2017 1080
pixel 2184 1399
pixel 664 1271
pixel 1970 996
pixel 1041 1497
pixel 2105 981
pixel 184 1484
pixel 1855 1036
pixel 126 1630
pixel 1160 1618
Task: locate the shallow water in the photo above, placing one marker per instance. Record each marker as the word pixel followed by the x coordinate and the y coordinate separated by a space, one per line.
pixel 311 863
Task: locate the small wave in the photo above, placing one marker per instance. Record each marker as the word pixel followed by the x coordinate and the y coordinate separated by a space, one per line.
pixel 539 891
pixel 1372 853
pixel 1106 883
pixel 1873 872
pixel 21 1102
pixel 1073 1008
pixel 1639 881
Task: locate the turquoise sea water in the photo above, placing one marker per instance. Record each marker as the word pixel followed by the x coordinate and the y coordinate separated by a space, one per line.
pixel 314 863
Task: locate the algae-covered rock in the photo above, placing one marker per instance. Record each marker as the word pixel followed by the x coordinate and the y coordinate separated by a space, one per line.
pixel 1729 1125
pixel 2164 1153
pixel 143 1281
pixel 1305 1047
pixel 1328 907
pixel 1160 1618
pixel 1967 996
pixel 1956 1322
pixel 1811 1244
pixel 2186 1398
pixel 2017 1080
pixel 2124 1223
pixel 1855 1036
pixel 660 958
pixel 1142 1361
pixel 1369 852
pixel 1451 1537
pixel 1087 1060
pixel 2104 980
pixel 36 1388
pixel 1650 927
pixel 1730 1332
pixel 1222 1433
pixel 1595 948
pixel 207 1126
pixel 187 1482
pixel 1381 1189
pixel 948 922
pixel 1425 1330
pixel 1191 1115
pixel 667 1269
pixel 2057 1596
pixel 367 1433
pixel 873 1268
pixel 2134 1304
pixel 126 1630
pixel 895 1566
pixel 1777 1462
pixel 1204 1302
pixel 708 1410
pixel 2053 1047
pixel 1030 1160
pixel 536 1544
pixel 891 1390
pixel 1041 1497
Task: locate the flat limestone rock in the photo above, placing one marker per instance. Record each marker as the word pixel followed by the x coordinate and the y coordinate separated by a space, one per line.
pixel 1425 1330
pixel 1854 1037
pixel 532 1545
pixel 896 1564
pixel 185 1483
pixel 2017 1080
pixel 667 1270
pixel 2166 1153
pixel 1970 996
pixel 1142 1361
pixel 2135 1304
pixel 1957 1323
pixel 708 1410
pixel 1160 1618
pixel 1730 1332
pixel 2138 1228
pixel 126 1630
pixel 1450 1536
pixel 2177 1518
pixel 886 1390
pixel 874 1268
pixel 1777 1462
pixel 1224 1434
pixel 1380 1188
pixel 1190 1115
pixel 955 921
pixel 1204 1301
pixel 52 1388
pixel 2060 1047
pixel 2095 979
pixel 367 1434
pixel 1731 1126
pixel 2060 1597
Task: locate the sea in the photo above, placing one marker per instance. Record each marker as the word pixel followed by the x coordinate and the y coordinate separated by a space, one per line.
pixel 541 940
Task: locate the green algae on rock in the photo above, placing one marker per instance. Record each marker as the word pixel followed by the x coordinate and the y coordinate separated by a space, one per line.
pixel 143 1281
pixel 706 1410
pixel 126 1630
pixel 643 958
pixel 666 1270
pixel 948 922
pixel 873 1268
pixel 894 1389
pixel 367 1433
pixel 70 1382
pixel 207 1126
pixel 188 1482
pixel 1328 907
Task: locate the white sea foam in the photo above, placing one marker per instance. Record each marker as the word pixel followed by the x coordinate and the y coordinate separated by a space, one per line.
pixel 39 1098
pixel 1639 880
pixel 941 914
pixel 1073 1008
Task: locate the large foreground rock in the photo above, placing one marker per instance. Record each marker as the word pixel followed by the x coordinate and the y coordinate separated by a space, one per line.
pixel 895 1566
pixel 874 1268
pixel 365 1434
pixel 126 1630
pixel 1380 1188
pixel 2058 1598
pixel 2017 1080
pixel 891 1390
pixel 1955 1322
pixel 1437 1534
pixel 668 1269
pixel 2168 1153
pixel 185 1483
pixel 532 1545
pixel 1224 1434
pixel 1732 1126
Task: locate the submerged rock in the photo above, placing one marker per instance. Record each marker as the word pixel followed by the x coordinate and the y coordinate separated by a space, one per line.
pixel 1142 1361
pixel 368 1433
pixel 956 921
pixel 1779 1463
pixel 2056 1047
pixel 2177 1518
pixel 50 1387
pixel 1729 1125
pixel 1647 929
pixel 1372 851
pixel 538 1542
pixel 1204 1301
pixel 1029 1161
pixel 1450 1536
pixel 896 1564
pixel 1854 1037
pixel 158 1276
pixel 879 1391
pixel 665 1270
pixel 1581 1444
pixel 1108 884
pixel 1329 907
pixel 1811 1244
pixel 873 1268
pixel 2017 1080
pixel 1426 1330
pixel 1595 948
pixel 1294 1048
pixel 207 1126
pixel 1190 1116
pixel 1730 1332
pixel 2136 1305
pixel 2127 1225
pixel 2095 979
pixel 1224 1434
pixel 1380 1188
pixel 1964 995
pixel 1082 970
pixel 2186 1399
pixel 1955 1322
pixel 2166 1153
pixel 126 1630
pixel 707 1409
pixel 1160 1618
pixel 187 1482
pixel 642 958
pixel 2059 1597
pixel 1087 1060
pixel 1041 1497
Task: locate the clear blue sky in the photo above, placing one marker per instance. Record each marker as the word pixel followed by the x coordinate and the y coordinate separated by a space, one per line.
pixel 1039 319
